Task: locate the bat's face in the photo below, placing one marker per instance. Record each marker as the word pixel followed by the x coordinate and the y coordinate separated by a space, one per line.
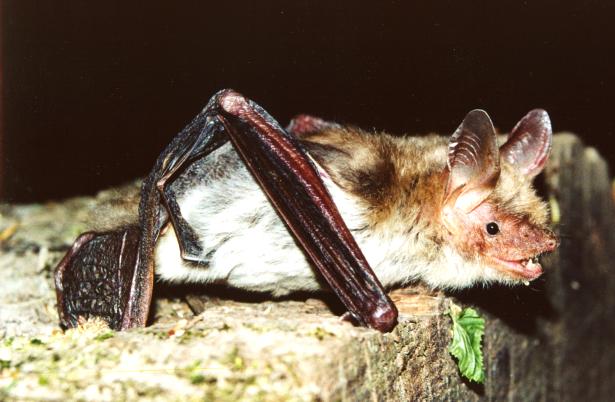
pixel 493 217
pixel 503 241
pixel 489 226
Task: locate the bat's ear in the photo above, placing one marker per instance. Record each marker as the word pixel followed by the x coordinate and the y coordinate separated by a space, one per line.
pixel 303 125
pixel 529 143
pixel 473 162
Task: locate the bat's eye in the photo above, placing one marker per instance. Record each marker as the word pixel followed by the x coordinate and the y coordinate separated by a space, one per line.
pixel 493 228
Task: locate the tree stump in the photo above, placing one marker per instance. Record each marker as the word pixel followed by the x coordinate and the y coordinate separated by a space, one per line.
pixel 550 341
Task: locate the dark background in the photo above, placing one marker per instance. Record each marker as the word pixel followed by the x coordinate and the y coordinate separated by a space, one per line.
pixel 93 92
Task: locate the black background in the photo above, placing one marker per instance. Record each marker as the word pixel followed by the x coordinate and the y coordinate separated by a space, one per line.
pixel 93 92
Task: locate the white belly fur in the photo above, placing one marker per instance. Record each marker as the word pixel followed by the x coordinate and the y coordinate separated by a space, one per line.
pixel 249 247
pixel 246 242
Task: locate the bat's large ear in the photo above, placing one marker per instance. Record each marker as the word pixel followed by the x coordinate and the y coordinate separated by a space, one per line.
pixel 473 162
pixel 529 143
pixel 304 125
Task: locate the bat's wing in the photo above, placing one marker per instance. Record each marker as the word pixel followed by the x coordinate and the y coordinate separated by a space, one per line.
pixel 94 278
pixel 291 183
pixel 111 275
pixel 295 188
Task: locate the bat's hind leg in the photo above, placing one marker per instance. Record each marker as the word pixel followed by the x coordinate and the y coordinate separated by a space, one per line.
pixel 187 238
pixel 191 146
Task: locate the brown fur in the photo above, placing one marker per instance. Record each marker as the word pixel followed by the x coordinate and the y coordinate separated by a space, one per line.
pixel 389 173
pixel 402 185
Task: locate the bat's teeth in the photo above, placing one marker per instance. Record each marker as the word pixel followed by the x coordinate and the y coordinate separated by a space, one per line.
pixel 526 283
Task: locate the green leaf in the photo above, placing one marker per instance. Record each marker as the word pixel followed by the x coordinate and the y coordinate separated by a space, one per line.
pixel 468 330
pixel 105 336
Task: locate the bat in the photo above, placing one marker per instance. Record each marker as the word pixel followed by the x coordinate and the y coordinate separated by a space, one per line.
pixel 318 205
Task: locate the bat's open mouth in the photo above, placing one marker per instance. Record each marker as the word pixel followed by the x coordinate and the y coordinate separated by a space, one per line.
pixel 528 269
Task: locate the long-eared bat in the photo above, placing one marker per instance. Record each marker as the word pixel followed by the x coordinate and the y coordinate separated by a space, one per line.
pixel 318 205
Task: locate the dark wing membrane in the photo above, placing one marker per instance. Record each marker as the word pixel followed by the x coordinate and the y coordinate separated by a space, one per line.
pixel 93 279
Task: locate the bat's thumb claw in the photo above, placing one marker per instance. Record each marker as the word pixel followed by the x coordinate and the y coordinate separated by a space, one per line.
pixel 349 317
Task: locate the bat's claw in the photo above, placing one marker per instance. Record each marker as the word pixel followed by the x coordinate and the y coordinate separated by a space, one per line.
pixel 349 317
